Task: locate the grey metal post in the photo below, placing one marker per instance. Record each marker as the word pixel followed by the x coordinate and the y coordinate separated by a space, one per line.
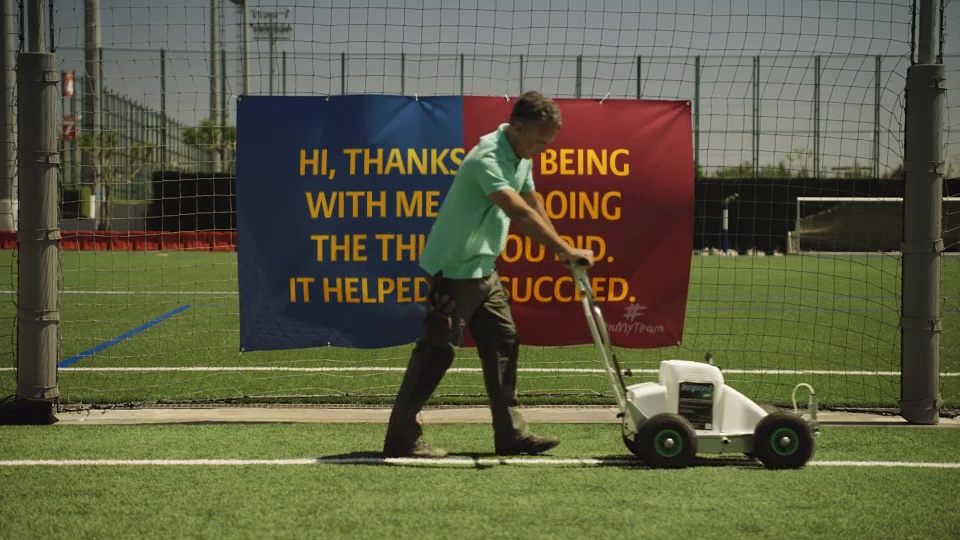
pixel 343 73
pixel 163 110
pixel 816 117
pixel 579 76
pixel 92 116
pixel 245 50
pixel 922 233
pixel 283 72
pixel 696 116
pixel 39 234
pixel 462 65
pixel 215 85
pixel 639 79
pixel 876 116
pixel 403 73
pixel 223 88
pixel 521 73
pixel 755 129
pixel 8 119
pixel 273 43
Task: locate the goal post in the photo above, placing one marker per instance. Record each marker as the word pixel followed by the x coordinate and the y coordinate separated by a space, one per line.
pixel 859 224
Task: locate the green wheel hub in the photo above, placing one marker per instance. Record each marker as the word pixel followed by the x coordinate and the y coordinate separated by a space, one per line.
pixel 668 443
pixel 784 441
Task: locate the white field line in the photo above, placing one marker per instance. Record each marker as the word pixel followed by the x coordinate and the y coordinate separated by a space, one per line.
pixel 441 462
pixel 369 369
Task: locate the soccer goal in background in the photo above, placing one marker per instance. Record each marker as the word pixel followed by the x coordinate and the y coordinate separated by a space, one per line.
pixel 860 224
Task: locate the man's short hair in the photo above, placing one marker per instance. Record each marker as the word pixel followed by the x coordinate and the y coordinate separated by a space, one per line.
pixel 533 108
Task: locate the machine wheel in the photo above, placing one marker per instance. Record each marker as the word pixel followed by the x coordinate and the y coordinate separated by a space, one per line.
pixel 666 441
pixel 628 440
pixel 783 441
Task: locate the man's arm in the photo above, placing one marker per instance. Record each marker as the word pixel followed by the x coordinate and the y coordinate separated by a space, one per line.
pixel 536 225
pixel 531 198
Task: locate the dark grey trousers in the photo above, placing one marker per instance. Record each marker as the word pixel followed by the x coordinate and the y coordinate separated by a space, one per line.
pixel 481 305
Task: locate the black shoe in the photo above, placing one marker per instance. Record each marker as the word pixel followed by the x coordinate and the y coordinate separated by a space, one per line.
pixel 420 449
pixel 531 445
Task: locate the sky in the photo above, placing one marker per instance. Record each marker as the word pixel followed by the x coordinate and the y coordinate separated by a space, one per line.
pixel 492 36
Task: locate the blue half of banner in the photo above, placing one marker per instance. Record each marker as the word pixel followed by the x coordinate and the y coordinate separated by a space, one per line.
pixel 335 197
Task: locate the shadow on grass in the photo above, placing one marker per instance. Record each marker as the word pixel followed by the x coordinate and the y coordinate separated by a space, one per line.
pixel 481 460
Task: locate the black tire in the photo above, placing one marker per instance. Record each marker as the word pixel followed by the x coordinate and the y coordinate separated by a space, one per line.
pixel 783 441
pixel 628 440
pixel 666 441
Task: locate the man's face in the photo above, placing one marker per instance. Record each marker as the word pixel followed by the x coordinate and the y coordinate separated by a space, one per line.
pixel 534 138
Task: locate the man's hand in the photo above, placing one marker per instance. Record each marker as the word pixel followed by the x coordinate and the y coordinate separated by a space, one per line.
pixel 440 308
pixel 577 257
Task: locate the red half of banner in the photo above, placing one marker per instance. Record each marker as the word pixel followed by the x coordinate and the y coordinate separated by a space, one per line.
pixel 619 180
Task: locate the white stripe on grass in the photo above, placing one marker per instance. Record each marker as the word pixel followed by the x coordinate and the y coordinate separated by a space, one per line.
pixel 372 369
pixel 441 462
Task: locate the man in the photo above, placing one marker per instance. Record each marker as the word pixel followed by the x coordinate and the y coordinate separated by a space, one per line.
pixel 493 187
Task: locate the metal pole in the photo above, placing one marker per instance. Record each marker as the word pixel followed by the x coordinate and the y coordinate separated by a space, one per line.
pixel 816 117
pixel 163 110
pixel 92 115
pixel 245 49
pixel 579 76
pixel 8 119
pixel 223 88
pixel 403 74
pixel 462 87
pixel 696 118
pixel 272 45
pixel 53 46
pixel 283 72
pixel 35 27
pixel 756 117
pixel 926 35
pixel 38 238
pixel 215 85
pixel 876 117
pixel 521 73
pixel 343 73
pixel 639 79
pixel 920 322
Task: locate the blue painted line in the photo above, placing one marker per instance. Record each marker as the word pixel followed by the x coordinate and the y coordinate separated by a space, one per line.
pixel 67 362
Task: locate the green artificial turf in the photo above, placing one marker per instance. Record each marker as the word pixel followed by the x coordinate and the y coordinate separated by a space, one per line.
pixel 775 314
pixel 719 499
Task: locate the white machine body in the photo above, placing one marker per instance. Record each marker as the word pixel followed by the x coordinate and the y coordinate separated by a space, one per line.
pixel 696 391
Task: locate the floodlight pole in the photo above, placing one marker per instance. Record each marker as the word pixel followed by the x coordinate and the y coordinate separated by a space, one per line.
pixel 244 58
pixel 215 114
pixel 91 117
pixel 920 322
pixel 268 28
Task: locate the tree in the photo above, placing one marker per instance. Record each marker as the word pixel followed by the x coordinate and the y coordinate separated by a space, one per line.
pixel 213 138
pixel 106 155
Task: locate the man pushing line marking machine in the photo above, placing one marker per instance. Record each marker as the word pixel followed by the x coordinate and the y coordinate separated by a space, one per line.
pixel 663 423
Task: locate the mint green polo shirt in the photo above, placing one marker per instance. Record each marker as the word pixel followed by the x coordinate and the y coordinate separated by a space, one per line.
pixel 470 230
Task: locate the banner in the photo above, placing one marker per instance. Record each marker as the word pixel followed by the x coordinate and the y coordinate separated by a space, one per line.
pixel 336 197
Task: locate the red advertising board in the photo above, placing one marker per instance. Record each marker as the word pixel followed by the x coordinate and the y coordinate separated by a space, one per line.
pixel 619 180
